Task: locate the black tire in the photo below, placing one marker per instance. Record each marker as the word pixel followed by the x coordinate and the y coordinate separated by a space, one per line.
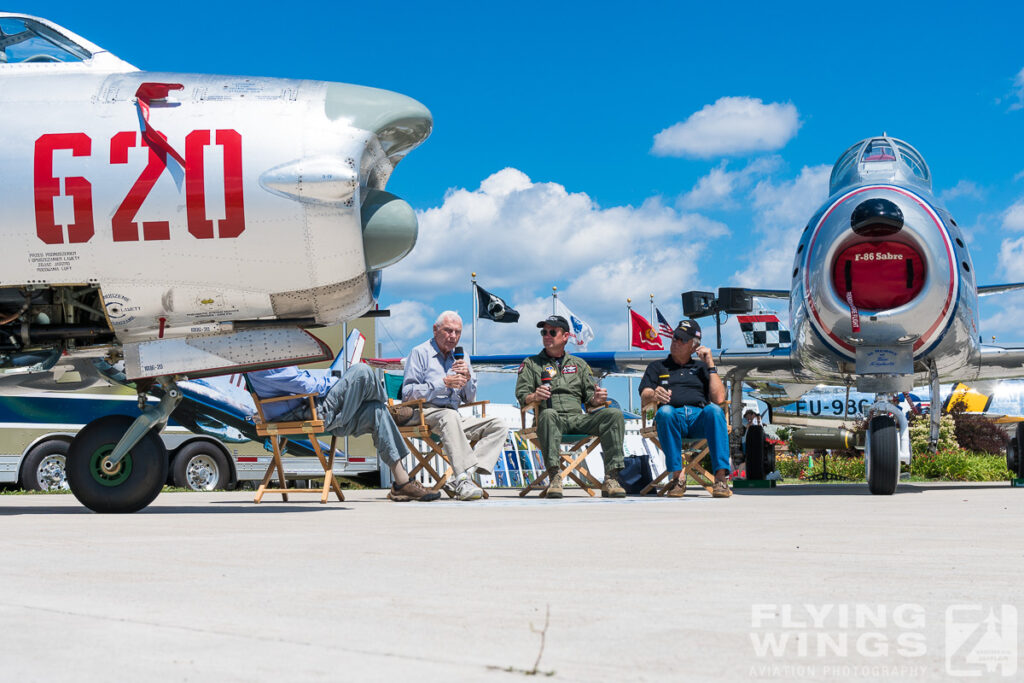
pixel 201 466
pixel 137 482
pixel 883 464
pixel 753 445
pixel 1012 450
pixel 45 466
pixel 1019 472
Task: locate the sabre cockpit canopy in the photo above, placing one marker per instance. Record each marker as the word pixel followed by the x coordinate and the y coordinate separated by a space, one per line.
pixel 881 159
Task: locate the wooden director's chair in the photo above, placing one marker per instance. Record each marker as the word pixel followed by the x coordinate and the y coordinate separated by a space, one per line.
pixel 694 452
pixel 573 459
pixel 278 433
pixel 424 445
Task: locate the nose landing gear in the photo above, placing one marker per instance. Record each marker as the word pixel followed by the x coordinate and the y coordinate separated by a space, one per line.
pixel 118 463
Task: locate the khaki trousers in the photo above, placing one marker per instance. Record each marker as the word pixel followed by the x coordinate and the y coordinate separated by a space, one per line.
pixel 456 431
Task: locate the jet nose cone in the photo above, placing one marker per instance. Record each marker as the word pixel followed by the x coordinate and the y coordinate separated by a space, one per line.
pixel 876 218
pixel 389 229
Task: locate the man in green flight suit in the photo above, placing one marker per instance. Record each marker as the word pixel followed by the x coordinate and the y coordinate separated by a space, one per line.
pixel 561 382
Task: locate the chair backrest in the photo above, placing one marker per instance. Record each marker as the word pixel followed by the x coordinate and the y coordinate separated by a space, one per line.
pixel 393 385
pixel 255 398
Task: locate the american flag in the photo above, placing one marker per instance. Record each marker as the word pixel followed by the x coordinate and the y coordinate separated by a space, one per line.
pixel 664 329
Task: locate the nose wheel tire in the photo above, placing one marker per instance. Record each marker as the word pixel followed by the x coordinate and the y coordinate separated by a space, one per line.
pixel 128 486
pixel 882 458
pixel 201 467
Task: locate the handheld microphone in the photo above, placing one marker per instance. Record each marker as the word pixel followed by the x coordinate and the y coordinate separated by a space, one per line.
pixel 545 379
pixel 458 353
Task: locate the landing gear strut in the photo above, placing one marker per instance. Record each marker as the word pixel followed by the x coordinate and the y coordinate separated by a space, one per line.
pixel 118 463
pixel 887 443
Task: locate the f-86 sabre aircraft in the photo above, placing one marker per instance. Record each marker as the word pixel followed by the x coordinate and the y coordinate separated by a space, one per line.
pixel 883 297
pixel 189 225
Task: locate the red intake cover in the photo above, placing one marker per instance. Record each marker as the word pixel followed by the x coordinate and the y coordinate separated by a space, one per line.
pixel 881 275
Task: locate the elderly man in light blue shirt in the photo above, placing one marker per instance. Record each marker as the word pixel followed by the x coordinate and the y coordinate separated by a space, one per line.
pixel 351 405
pixel 433 373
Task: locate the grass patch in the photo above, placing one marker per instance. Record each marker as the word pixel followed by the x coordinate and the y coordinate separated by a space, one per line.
pixel 949 464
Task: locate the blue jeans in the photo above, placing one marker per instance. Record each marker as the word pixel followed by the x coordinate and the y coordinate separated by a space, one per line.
pixel 691 422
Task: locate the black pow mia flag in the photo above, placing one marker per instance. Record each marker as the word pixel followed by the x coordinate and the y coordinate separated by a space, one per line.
pixel 494 308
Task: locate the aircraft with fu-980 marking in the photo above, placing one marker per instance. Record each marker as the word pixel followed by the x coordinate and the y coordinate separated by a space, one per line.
pixel 187 225
pixel 883 296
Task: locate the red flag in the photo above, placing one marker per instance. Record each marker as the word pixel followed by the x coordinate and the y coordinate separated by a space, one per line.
pixel 643 334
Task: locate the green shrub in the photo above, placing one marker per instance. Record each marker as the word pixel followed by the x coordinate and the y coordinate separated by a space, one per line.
pixel 790 466
pixel 920 431
pixel 956 464
pixel 850 467
pixel 977 433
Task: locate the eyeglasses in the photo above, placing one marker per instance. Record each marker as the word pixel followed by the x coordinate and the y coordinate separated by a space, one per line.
pixel 553 332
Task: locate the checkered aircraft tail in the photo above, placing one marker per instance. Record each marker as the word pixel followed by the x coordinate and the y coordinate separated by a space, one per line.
pixel 763 330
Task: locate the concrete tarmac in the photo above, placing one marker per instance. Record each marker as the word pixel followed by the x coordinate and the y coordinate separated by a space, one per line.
pixel 803 582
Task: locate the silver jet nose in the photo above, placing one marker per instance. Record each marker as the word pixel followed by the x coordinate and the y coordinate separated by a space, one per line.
pixel 876 218
pixel 399 122
pixel 389 229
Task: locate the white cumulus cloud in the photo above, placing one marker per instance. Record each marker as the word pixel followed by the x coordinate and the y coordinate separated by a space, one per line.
pixel 731 126
pixel 1018 91
pixel 782 210
pixel 1013 217
pixel 716 189
pixel 521 237
pixel 964 188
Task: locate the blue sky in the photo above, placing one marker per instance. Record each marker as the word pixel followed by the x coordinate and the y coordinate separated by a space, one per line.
pixel 543 167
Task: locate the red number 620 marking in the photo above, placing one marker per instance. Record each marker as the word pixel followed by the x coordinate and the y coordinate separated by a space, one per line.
pixel 124 228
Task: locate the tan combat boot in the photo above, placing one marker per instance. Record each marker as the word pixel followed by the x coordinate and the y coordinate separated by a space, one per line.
pixel 611 488
pixel 554 489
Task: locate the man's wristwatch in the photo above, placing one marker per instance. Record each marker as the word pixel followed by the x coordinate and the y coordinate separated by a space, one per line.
pixel 714 370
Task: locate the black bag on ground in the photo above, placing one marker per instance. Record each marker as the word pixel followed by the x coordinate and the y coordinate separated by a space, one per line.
pixel 637 473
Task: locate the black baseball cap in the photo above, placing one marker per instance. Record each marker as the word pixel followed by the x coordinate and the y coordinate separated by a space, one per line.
pixel 555 321
pixel 687 330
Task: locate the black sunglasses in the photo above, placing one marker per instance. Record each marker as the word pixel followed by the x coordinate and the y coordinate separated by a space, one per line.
pixel 553 332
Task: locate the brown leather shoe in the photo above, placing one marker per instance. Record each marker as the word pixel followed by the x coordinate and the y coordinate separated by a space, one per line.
pixel 412 490
pixel 677 489
pixel 721 490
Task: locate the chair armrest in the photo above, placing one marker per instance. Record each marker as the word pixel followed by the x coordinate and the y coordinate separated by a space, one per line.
pixel 482 404
pixel 591 409
pixel 414 405
pixel 651 405
pixel 290 397
pixel 528 408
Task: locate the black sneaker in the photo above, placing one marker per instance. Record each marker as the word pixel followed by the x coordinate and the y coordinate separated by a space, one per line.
pixel 412 490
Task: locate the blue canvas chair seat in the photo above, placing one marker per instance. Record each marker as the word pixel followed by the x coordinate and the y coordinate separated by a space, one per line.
pixel 277 433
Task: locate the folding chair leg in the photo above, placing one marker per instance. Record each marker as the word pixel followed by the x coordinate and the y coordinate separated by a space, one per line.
pixel 654 485
pixel 275 464
pixel 696 471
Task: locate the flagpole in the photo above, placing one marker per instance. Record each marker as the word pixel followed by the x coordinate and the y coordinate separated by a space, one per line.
pixel 473 309
pixel 554 299
pixel 629 325
pixel 654 321
pixel 629 342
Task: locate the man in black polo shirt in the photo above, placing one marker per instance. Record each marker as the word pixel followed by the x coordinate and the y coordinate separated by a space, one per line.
pixel 688 390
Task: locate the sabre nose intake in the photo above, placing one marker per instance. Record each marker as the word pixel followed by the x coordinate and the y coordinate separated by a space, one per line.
pixel 389 229
pixel 876 218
